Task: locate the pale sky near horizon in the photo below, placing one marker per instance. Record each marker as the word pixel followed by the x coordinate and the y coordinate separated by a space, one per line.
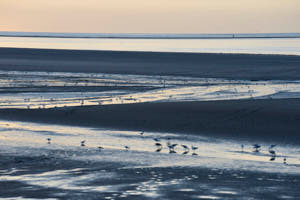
pixel 150 16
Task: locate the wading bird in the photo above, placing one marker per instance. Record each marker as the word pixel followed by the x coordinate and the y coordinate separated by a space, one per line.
pixel 126 148
pixel 100 148
pixel 194 148
pixel 284 161
pixel 186 149
pixel 272 158
pixel 256 148
pixel 271 151
pixel 171 148
pixel 49 140
pixel 159 146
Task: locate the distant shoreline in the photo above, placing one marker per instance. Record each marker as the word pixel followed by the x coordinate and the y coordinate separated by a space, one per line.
pixel 149 36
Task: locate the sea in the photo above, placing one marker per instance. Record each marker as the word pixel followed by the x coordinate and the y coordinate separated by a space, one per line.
pixel 260 43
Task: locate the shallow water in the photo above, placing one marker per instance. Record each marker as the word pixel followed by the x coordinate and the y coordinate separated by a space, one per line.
pixel 57 89
pixel 289 46
pixel 218 169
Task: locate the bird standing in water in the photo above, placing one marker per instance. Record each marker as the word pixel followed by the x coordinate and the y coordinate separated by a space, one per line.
pixel 126 148
pixel 159 146
pixel 186 149
pixel 194 148
pixel 284 161
pixel 271 151
pixel 49 140
pixel 171 148
pixel 256 148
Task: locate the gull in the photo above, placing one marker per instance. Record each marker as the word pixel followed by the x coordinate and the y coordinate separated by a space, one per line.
pixel 284 161
pixel 159 146
pixel 49 140
pixel 272 158
pixel 271 151
pixel 194 148
pixel 171 147
pixel 100 148
pixel 186 149
pixel 126 148
pixel 256 148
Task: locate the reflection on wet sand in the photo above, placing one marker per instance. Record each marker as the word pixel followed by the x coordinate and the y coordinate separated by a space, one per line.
pixel 41 90
pixel 209 152
pixel 69 162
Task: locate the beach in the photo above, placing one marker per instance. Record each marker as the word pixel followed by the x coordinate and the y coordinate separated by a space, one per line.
pixel 230 66
pixel 277 118
pixel 257 120
pixel 131 125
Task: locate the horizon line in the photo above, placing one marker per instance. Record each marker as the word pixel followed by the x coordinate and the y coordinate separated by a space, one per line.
pixel 147 35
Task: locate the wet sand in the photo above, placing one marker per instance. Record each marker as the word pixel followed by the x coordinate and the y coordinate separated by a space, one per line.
pixel 231 66
pixel 61 172
pixel 37 176
pixel 262 120
pixel 267 119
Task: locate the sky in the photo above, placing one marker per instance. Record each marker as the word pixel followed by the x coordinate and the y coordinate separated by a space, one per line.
pixel 150 16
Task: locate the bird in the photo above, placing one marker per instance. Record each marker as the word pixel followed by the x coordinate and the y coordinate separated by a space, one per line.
pixel 82 143
pixel 156 139
pixel 271 151
pixel 272 158
pixel 186 149
pixel 49 140
pixel 142 133
pixel 194 148
pixel 242 146
pixel 126 148
pixel 172 146
pixel 256 147
pixel 100 148
pixel 284 161
pixel 159 146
